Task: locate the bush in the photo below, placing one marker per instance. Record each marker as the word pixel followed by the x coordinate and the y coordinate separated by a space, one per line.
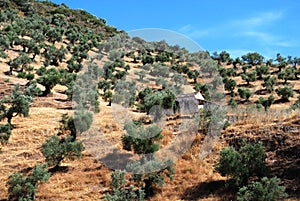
pixel 241 164
pixel 245 93
pixel 23 188
pixel 249 77
pixel 49 78
pixel 285 93
pixel 265 190
pixel 141 140
pixel 56 150
pixel 269 83
pixel 266 103
pixel 120 192
pixel 5 131
pixel 151 173
pixel 296 104
pixel 17 103
pixel 165 99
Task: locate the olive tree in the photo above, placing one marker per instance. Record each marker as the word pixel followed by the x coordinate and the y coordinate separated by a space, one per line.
pixel 266 103
pixel 56 150
pixel 17 103
pixel 285 93
pixel 253 58
pixel 249 77
pixel 264 190
pixel 245 93
pixel 243 163
pixel 49 78
pixel 269 83
pixel 22 187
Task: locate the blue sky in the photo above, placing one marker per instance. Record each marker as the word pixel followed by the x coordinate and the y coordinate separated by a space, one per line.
pixel 265 26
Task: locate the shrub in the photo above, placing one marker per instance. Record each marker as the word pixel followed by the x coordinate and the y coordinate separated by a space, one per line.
pixel 264 190
pixel 232 103
pixel 245 93
pixel 269 83
pixel 147 60
pixel 266 103
pixel 241 164
pixel 253 58
pixel 49 78
pixel 120 192
pixel 23 188
pixel 285 93
pixel 141 140
pixel 5 131
pixel 150 173
pixel 249 77
pixel 165 99
pixel 17 103
pixel 55 150
pixel 229 85
pixel 262 70
pixel 296 104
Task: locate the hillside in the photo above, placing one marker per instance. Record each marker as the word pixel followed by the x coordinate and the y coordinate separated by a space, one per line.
pixel 70 62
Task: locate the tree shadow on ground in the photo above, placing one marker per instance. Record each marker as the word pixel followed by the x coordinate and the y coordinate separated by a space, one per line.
pixel 208 189
pixel 287 168
pixel 60 169
pixel 116 159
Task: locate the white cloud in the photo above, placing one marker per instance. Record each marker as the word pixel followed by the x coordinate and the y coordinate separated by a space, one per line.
pixel 259 20
pixel 269 39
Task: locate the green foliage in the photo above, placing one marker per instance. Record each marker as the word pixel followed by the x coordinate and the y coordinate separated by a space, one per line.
pixel 125 93
pixel 224 57
pixel 164 98
pixel 208 66
pixel 82 119
pixel 269 83
pixel 249 77
pixel 141 140
pixel 253 58
pixel 85 91
pixel 150 173
pixel 49 78
pixel 163 57
pixel 229 85
pixel 5 131
pixel 120 192
pixel 241 164
pixel 55 150
pixel 285 92
pixel 264 190
pixel 245 68
pixel 53 55
pixel 104 85
pixel 107 95
pixel 245 93
pixel 141 75
pixel 204 89
pixel 23 188
pixel 262 70
pixel 17 103
pixel 232 103
pixel 160 70
pixel 28 74
pixel 148 59
pixel 281 62
pixel 74 65
pixel 287 74
pixel 296 104
pixel 266 103
pixel 19 63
